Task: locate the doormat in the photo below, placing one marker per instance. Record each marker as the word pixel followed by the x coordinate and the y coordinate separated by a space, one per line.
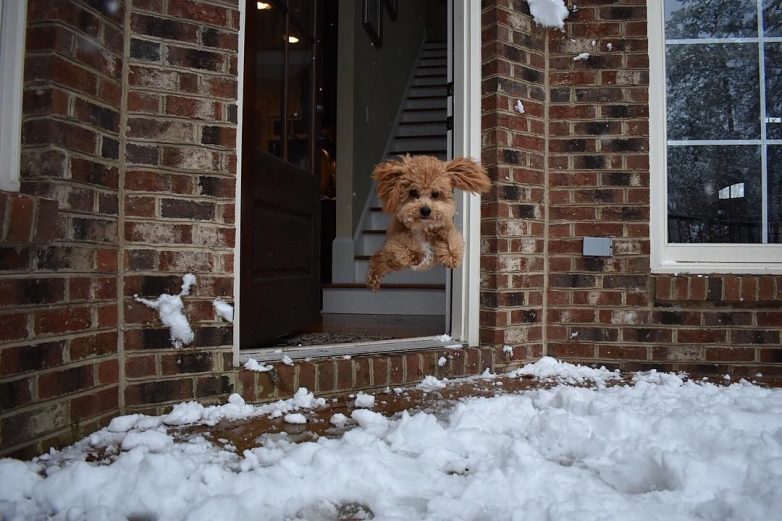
pixel 330 337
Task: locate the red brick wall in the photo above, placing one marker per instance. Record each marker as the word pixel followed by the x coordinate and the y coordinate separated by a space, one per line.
pixel 590 160
pixel 58 302
pixel 513 213
pixel 179 189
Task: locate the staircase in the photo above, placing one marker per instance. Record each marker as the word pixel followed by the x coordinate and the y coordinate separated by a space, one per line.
pixel 420 129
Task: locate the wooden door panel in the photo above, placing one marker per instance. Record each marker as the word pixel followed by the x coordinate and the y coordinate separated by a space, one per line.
pixel 281 277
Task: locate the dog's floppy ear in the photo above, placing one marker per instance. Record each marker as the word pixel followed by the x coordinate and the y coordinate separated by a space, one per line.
pixel 466 174
pixel 387 175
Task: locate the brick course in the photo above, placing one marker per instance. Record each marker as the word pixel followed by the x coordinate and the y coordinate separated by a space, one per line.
pixel 592 177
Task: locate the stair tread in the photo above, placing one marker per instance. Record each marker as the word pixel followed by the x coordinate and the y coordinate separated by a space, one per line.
pixel 359 285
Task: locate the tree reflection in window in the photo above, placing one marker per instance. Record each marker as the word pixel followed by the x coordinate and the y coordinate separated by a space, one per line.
pixel 720 190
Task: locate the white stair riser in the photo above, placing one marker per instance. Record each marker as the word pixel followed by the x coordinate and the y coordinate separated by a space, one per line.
pixel 433 104
pixel 386 302
pixel 369 243
pixel 433 62
pixel 423 115
pixel 422 129
pixel 432 71
pixel 419 145
pixel 429 90
pixel 426 81
pixel 435 275
pixel 378 220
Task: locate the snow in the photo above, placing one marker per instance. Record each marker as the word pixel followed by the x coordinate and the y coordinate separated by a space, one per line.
pixel 444 338
pixel 441 361
pixel 223 309
pixel 338 420
pixel 520 107
pixel 254 365
pixel 584 56
pixel 431 383
pixel 548 13
pixel 295 418
pixel 287 360
pixel 171 311
pixel 364 400
pixel 663 448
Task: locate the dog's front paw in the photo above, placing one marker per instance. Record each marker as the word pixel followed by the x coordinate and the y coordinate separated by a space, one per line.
pixel 373 282
pixel 450 260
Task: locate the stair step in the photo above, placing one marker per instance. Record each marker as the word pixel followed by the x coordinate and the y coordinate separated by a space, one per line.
pixel 440 54
pixel 377 219
pixel 428 91
pixel 412 116
pixel 424 81
pixel 422 129
pixel 431 71
pixel 433 62
pixel 419 144
pixel 436 275
pixel 392 299
pixel 426 103
pixel 442 155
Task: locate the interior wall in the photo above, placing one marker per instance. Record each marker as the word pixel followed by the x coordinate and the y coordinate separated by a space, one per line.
pixel 380 77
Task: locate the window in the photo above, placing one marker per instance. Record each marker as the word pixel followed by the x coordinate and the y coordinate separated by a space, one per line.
pixel 716 135
pixel 13 14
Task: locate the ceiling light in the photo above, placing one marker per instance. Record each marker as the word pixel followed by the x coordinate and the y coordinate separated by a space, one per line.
pixel 264 5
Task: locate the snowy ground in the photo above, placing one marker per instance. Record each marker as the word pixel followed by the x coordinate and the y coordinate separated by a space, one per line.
pixel 663 448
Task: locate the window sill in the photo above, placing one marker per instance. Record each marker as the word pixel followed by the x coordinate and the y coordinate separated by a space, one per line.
pixel 705 268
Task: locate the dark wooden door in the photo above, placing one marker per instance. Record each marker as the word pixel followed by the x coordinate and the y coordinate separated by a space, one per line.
pixel 280 212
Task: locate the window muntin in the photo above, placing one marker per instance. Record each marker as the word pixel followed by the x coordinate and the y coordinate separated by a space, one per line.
pixel 723 80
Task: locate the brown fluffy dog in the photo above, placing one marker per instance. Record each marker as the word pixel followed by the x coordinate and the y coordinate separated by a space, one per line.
pixel 418 193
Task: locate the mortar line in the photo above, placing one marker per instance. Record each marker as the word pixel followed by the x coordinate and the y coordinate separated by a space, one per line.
pixel 121 245
pixel 546 121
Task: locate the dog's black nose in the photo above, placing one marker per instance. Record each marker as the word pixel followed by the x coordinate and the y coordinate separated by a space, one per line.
pixel 425 211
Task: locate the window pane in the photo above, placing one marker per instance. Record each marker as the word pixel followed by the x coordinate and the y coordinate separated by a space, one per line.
pixel 714 194
pixel 710 18
pixel 774 90
pixel 775 194
pixel 300 67
pixel 269 72
pixel 713 91
pixel 772 17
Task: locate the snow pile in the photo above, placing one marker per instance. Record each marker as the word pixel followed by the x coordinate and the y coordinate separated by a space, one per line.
pixel 223 309
pixel 663 448
pixel 171 311
pixel 584 56
pixel 550 369
pixel 548 13
pixel 431 383
pixel 364 400
pixel 254 365
pixel 520 107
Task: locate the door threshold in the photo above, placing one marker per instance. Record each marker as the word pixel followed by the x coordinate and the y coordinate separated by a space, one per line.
pixel 345 350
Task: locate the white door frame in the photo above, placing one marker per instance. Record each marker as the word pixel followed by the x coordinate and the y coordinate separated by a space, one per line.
pixel 465 292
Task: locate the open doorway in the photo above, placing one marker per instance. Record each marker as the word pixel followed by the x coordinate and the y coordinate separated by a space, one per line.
pixel 330 90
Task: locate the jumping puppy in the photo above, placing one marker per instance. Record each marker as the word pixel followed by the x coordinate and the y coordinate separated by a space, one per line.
pixel 417 191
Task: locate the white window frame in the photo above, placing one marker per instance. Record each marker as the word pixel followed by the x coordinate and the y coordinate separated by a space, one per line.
pixel 686 258
pixel 13 28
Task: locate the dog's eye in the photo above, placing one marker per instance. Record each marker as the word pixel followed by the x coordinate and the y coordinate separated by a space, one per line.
pixel 435 195
pixel 414 194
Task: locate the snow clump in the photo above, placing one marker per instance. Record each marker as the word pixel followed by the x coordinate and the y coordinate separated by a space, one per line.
pixel 223 309
pixel 171 311
pixel 548 13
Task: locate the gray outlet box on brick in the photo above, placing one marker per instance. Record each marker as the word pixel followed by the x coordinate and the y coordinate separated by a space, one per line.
pixel 598 246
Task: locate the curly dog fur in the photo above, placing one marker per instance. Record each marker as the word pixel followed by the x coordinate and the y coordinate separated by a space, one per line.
pixel 417 191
